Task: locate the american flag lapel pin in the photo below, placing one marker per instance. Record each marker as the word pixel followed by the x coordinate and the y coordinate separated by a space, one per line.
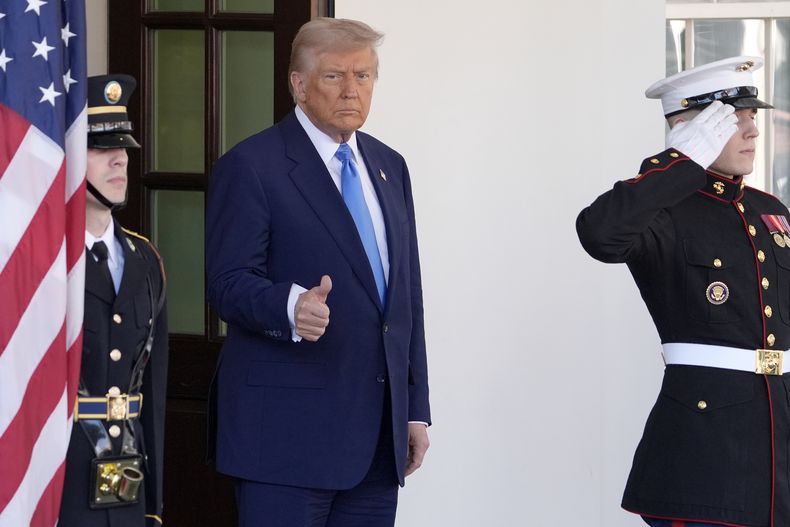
pixel 383 175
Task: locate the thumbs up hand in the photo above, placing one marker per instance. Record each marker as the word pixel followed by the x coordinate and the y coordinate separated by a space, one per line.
pixel 311 314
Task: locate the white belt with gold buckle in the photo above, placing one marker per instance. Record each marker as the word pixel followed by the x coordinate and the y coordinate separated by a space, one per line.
pixel 764 362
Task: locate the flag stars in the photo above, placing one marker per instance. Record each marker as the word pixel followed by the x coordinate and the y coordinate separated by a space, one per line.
pixel 49 94
pixel 68 81
pixel 2 16
pixel 4 59
pixel 66 34
pixel 35 5
pixel 42 49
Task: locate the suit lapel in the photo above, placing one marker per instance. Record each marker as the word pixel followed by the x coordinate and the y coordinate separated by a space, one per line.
pixel 314 182
pixel 384 192
pixel 95 283
pixel 134 268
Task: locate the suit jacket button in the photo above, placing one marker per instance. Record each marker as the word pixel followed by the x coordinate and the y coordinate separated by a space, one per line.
pixel 386 328
pixel 117 318
pixel 380 378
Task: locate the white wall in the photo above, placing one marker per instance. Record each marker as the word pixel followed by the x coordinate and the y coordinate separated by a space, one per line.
pixel 513 115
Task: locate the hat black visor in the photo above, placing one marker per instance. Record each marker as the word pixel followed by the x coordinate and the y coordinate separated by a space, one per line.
pixel 736 102
pixel 748 102
pixel 112 141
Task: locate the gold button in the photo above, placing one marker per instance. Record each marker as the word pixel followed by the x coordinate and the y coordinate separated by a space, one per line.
pixel 761 256
pixel 770 339
pixel 114 390
pixel 716 263
pixel 765 283
pixel 768 311
pixel 115 430
pixel 117 318
pixel 115 355
pixel 655 161
pixel 752 230
pixel 674 154
pixel 743 185
pixel 702 405
pixel 741 207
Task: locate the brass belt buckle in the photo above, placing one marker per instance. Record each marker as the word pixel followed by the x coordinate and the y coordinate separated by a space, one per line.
pixel 769 362
pixel 117 407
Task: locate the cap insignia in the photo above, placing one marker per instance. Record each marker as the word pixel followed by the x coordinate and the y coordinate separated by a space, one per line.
pixel 746 66
pixel 112 92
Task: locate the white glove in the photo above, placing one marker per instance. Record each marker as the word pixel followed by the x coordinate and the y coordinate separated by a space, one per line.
pixel 703 138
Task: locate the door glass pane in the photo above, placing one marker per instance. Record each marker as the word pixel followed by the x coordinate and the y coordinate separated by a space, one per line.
pixel 178 99
pixel 781 115
pixel 178 233
pixel 719 39
pixel 249 6
pixel 246 86
pixel 177 5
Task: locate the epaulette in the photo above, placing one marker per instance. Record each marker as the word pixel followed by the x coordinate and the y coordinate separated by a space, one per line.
pixel 146 240
pixel 155 251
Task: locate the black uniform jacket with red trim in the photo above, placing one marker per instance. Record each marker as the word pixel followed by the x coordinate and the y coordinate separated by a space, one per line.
pixel 680 229
pixel 102 333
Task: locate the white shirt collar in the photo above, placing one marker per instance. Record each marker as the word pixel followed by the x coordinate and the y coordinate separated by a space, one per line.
pixel 108 237
pixel 325 145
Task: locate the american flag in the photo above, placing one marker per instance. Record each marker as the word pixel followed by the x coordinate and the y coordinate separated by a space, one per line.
pixel 43 129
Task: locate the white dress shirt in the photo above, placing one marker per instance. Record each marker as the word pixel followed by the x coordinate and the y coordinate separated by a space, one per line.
pixel 115 256
pixel 326 147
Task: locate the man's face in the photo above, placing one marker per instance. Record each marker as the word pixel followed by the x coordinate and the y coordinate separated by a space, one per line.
pixel 336 93
pixel 107 172
pixel 737 158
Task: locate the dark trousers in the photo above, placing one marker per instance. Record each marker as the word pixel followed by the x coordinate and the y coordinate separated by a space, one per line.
pixel 371 503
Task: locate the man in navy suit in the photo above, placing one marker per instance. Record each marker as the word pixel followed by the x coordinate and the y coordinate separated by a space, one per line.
pixel 319 416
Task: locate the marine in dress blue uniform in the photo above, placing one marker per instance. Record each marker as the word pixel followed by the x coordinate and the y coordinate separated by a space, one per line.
pixel 711 258
pixel 114 460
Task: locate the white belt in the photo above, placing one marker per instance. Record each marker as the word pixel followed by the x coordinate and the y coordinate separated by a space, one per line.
pixel 765 362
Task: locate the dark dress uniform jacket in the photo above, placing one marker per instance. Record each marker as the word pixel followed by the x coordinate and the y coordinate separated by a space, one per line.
pixel 100 372
pixel 679 229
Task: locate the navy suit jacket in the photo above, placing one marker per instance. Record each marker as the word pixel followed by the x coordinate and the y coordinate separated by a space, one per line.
pixel 308 414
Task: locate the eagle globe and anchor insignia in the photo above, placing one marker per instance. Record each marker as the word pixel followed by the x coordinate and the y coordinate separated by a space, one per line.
pixel 717 293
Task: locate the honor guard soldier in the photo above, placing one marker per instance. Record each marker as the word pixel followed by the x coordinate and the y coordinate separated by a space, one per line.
pixel 711 258
pixel 114 461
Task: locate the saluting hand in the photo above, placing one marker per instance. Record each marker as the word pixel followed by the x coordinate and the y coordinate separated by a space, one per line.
pixel 703 138
pixel 311 314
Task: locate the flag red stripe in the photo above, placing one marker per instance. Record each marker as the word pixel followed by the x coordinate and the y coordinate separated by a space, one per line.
pixel 41 397
pixel 32 258
pixel 48 508
pixel 14 128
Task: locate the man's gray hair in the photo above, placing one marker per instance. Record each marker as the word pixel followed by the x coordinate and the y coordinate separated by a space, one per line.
pixel 330 34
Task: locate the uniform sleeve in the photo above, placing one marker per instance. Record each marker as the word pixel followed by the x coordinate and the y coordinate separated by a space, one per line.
pixel 238 224
pixel 624 223
pixel 154 392
pixel 419 407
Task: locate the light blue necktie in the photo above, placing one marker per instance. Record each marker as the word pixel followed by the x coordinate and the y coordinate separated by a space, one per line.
pixel 351 187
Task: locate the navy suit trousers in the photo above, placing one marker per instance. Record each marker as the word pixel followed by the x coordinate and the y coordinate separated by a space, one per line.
pixel 371 503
